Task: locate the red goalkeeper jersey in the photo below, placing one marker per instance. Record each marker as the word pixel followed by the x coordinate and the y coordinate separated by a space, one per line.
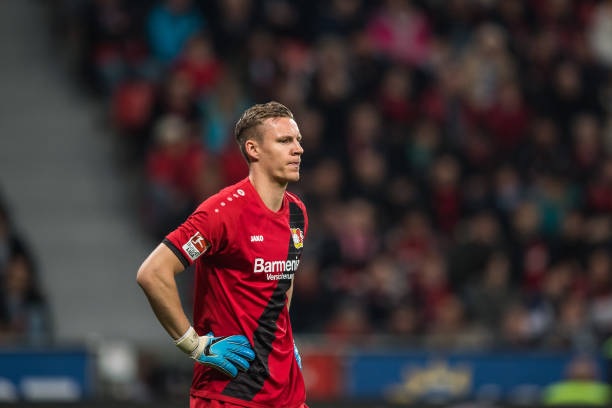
pixel 245 257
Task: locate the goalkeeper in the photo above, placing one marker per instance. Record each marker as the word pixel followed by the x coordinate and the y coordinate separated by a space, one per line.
pixel 246 242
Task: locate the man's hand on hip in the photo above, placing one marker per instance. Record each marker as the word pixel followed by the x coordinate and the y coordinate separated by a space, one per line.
pixel 227 354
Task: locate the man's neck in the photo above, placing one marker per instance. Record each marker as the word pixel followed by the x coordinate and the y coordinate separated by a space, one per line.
pixel 270 191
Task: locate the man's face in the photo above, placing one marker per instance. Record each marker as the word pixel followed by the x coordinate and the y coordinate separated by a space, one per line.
pixel 280 150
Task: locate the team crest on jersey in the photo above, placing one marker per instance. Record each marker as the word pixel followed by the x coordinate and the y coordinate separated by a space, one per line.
pixel 298 238
pixel 196 246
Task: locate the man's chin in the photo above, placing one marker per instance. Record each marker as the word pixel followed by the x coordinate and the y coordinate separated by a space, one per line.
pixel 292 178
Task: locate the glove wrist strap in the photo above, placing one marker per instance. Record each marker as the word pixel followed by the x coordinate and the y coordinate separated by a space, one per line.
pixel 188 342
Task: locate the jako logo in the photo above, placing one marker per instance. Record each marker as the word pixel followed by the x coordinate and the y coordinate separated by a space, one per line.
pixel 257 238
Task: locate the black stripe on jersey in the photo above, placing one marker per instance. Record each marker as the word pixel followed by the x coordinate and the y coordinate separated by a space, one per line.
pixel 246 385
pixel 177 252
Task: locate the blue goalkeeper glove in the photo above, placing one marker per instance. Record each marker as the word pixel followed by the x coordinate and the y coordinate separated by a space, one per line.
pixel 296 353
pixel 226 354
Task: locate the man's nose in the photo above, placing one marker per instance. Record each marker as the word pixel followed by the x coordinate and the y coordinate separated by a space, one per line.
pixel 298 148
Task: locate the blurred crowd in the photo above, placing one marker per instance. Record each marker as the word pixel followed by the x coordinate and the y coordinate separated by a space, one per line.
pixel 457 166
pixel 25 318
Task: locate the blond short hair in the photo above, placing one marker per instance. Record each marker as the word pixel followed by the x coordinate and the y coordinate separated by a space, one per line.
pixel 246 127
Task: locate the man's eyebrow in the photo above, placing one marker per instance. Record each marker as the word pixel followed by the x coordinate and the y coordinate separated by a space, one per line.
pixel 299 136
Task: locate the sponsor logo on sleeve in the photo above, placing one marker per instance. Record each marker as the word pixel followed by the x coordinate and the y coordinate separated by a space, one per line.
pixel 196 246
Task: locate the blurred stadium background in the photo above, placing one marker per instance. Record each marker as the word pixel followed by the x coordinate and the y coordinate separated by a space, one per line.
pixel 458 176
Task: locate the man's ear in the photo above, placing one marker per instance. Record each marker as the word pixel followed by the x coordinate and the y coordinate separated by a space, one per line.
pixel 252 149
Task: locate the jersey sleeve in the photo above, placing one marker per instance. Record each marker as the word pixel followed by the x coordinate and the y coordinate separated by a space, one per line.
pixel 201 233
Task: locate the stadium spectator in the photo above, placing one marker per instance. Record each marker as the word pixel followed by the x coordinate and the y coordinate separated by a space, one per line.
pixel 200 65
pixel 600 31
pixel 492 292
pixel 220 111
pixel 599 290
pixel 175 169
pixel 25 308
pixel 401 32
pixel 25 316
pixel 339 18
pixel 114 47
pixel 572 329
pixel 231 23
pixel 170 24
pixel 580 387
